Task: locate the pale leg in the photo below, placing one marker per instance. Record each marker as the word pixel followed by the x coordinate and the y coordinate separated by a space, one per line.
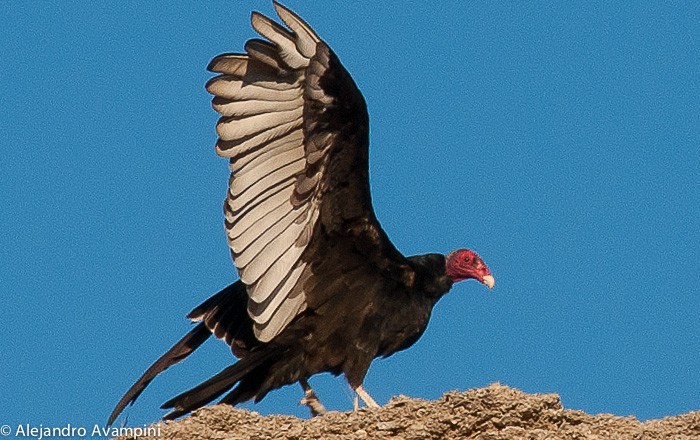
pixel 310 399
pixel 365 398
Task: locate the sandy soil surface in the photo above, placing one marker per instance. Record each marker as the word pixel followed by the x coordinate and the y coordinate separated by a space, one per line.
pixel 493 413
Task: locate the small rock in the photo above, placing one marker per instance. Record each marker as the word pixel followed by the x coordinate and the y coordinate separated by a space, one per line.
pixel 386 426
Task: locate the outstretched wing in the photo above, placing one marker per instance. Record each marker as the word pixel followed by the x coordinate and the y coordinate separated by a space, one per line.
pixel 295 128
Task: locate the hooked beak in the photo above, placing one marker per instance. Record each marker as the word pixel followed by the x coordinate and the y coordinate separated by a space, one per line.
pixel 488 281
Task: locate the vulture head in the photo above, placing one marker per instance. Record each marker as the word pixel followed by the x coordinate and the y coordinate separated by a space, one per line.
pixel 463 264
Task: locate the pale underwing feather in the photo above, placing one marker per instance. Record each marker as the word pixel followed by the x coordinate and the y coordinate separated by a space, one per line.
pixel 262 288
pixel 261 263
pixel 226 107
pixel 233 88
pixel 251 175
pixel 282 38
pixel 287 311
pixel 240 147
pixel 264 310
pixel 244 204
pixel 231 64
pixel 268 180
pixel 239 127
pixel 269 243
pixel 263 223
pixel 255 72
pixel 253 159
pixel 242 222
pixel 306 38
pixel 266 53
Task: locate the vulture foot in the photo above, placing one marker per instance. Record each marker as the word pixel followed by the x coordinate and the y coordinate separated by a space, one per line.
pixel 311 400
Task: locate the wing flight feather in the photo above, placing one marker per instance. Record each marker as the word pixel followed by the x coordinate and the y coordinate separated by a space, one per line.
pixel 295 130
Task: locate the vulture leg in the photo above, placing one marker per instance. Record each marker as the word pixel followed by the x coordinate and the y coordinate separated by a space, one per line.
pixel 310 399
pixel 364 395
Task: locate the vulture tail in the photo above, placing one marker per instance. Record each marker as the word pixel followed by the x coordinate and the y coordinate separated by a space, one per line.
pixel 223 314
pixel 183 348
pixel 247 372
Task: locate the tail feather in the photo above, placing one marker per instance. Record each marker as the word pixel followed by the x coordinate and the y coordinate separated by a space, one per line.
pixel 250 387
pixel 183 348
pixel 214 387
pixel 224 315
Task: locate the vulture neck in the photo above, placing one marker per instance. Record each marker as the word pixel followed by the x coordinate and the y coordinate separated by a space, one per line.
pixel 431 277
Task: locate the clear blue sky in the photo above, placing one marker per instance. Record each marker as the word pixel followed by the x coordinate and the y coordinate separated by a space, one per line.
pixel 560 140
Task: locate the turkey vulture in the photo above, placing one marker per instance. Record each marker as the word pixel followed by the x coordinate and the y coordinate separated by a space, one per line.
pixel 321 289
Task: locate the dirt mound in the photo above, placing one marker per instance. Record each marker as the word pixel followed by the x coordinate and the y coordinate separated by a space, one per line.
pixel 495 413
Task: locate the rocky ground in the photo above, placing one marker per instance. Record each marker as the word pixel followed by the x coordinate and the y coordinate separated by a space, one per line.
pixel 493 413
